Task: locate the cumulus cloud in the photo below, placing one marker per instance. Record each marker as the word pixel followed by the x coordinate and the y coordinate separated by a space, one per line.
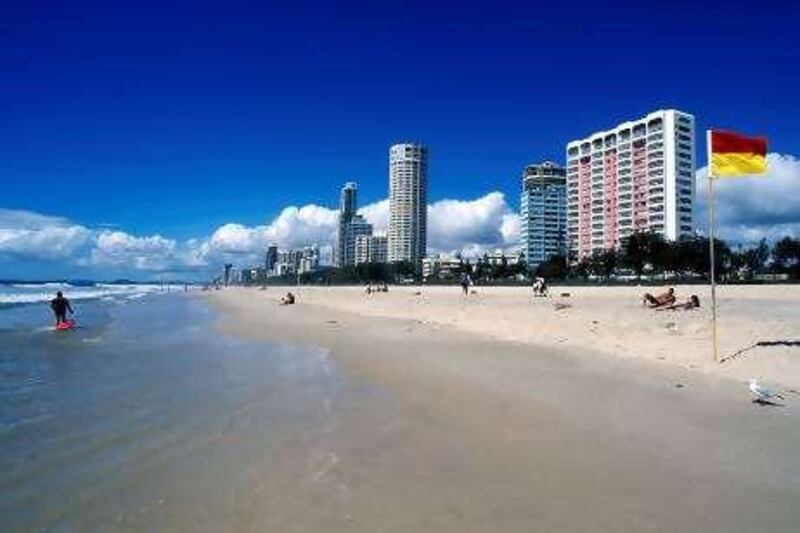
pixel 747 209
pixel 310 224
pixel 472 226
pixel 27 235
pixel 469 226
pixel 293 227
pixel 377 214
pixel 120 249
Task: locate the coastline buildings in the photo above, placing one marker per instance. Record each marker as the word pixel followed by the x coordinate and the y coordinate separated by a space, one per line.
pixel 351 227
pixel 296 261
pixel 543 212
pixel 271 258
pixel 348 201
pixel 357 227
pixel 408 202
pixel 371 249
pixel 637 176
pixel 442 266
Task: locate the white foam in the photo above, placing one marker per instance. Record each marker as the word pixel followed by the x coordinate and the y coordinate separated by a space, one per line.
pixel 28 294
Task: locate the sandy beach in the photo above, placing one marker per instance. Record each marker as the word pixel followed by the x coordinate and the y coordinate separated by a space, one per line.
pixel 503 413
pixel 759 326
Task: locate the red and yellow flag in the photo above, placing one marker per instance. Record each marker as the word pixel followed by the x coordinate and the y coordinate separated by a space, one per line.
pixel 733 154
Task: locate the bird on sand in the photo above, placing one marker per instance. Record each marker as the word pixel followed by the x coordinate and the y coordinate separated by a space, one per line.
pixel 760 393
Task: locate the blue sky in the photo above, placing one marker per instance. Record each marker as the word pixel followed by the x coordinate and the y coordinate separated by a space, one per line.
pixel 173 120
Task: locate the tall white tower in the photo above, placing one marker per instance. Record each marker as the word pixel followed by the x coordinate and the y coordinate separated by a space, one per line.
pixel 408 202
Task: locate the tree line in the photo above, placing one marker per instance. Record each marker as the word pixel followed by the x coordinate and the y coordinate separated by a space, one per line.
pixel 650 254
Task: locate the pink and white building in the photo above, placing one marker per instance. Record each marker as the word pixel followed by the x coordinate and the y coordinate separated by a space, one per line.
pixel 638 176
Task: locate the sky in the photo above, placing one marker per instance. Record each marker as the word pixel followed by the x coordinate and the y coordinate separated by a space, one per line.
pixel 150 140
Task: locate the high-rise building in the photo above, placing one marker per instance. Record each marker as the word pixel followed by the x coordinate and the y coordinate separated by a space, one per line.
pixel 408 202
pixel 271 259
pixel 543 212
pixel 356 227
pixel 348 204
pixel 296 261
pixel 371 249
pixel 638 176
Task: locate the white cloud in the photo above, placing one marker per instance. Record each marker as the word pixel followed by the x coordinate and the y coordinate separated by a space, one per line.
pixel 377 214
pixel 747 209
pixel 472 226
pixel 469 226
pixel 120 249
pixel 27 235
pixel 293 227
pixel 236 239
pixel 310 224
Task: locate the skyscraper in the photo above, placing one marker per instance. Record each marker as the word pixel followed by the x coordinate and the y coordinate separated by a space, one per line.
pixel 638 176
pixel 356 227
pixel 348 204
pixel 370 249
pixel 408 202
pixel 543 212
pixel 271 259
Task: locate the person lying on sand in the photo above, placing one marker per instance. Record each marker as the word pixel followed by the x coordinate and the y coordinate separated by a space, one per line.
pixel 692 302
pixel 663 299
pixel 288 299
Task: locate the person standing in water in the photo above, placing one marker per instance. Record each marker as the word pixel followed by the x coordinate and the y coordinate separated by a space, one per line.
pixel 60 306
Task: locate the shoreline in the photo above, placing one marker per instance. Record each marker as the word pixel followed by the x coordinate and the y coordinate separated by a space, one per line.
pixel 480 434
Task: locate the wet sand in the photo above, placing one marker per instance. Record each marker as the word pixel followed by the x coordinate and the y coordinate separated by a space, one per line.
pixel 466 432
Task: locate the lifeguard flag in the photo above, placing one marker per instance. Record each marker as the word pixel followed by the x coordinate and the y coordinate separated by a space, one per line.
pixel 733 154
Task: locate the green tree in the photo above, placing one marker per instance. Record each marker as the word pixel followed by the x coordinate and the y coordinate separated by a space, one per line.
pixel 604 264
pixel 554 268
pixel 786 255
pixel 750 260
pixel 642 249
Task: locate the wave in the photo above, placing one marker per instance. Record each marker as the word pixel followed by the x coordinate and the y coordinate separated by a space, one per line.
pixel 49 285
pixel 30 294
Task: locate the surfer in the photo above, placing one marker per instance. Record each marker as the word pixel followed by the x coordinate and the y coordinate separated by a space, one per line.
pixel 60 305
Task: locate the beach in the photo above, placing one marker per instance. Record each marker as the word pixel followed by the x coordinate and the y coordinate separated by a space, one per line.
pixel 758 325
pixel 502 415
pixel 223 411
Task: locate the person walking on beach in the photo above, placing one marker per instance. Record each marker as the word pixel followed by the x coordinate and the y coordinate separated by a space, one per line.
pixel 465 283
pixel 60 306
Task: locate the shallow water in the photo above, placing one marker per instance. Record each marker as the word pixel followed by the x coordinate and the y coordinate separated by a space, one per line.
pixel 145 418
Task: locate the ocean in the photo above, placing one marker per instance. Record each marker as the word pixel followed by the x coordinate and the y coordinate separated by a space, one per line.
pixel 144 417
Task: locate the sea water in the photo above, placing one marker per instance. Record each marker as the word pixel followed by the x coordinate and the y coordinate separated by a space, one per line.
pixel 144 417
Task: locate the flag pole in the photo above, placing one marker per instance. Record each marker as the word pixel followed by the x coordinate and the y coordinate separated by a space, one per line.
pixel 714 342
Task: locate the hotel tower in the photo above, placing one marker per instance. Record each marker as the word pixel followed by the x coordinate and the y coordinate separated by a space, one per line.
pixel 636 177
pixel 543 212
pixel 408 202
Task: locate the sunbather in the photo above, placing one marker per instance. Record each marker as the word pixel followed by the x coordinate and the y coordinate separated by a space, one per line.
pixel 662 300
pixel 288 299
pixel 692 302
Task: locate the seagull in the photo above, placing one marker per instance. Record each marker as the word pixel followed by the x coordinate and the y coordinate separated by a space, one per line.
pixel 761 394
